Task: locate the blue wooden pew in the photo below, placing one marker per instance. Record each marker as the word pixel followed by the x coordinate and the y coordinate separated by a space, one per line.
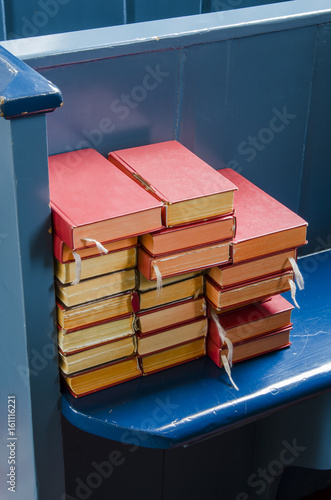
pixel 217 82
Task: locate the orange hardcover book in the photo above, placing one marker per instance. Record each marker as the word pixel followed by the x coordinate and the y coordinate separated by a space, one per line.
pixel 177 263
pixel 96 288
pixel 253 320
pixel 97 265
pixel 189 236
pixel 264 225
pixel 64 254
pixel 251 347
pixel 173 356
pixel 176 291
pixel 101 377
pixel 252 269
pixel 97 355
pixel 90 198
pixel 170 315
pixel 116 306
pixel 244 293
pixel 97 333
pixel 169 337
pixel 189 187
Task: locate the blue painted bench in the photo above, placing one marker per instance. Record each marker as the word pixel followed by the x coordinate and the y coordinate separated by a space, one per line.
pixel 219 81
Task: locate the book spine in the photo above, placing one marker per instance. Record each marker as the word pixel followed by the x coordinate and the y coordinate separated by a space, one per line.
pixel 145 263
pixel 213 333
pixel 62 227
pixel 130 172
pixel 214 352
pixel 58 248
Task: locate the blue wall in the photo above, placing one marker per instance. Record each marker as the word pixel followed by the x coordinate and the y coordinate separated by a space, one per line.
pixel 255 100
pixel 23 18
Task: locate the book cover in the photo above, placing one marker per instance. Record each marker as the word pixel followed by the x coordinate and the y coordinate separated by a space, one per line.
pixel 189 235
pixel 251 347
pixel 264 225
pixel 101 377
pixel 252 320
pixel 90 198
pixel 187 185
pixel 64 254
pixel 177 263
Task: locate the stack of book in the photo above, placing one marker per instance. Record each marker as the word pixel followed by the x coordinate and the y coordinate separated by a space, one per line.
pixel 263 254
pixel 96 208
pixel 159 259
pixel 199 226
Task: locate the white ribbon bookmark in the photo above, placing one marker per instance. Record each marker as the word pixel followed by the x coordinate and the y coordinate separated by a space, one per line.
pixel 100 247
pixel 227 361
pixel 293 292
pixel 297 273
pixel 78 267
pixel 158 279
pixel 228 371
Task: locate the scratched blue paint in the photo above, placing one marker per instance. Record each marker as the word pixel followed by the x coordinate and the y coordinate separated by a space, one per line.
pixel 23 91
pixel 196 398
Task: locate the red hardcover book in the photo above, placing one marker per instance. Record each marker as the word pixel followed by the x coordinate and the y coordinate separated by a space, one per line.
pixel 189 235
pixel 64 254
pixel 90 198
pixel 187 185
pixel 252 320
pixel 245 293
pixel 251 347
pixel 177 263
pixel 264 225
